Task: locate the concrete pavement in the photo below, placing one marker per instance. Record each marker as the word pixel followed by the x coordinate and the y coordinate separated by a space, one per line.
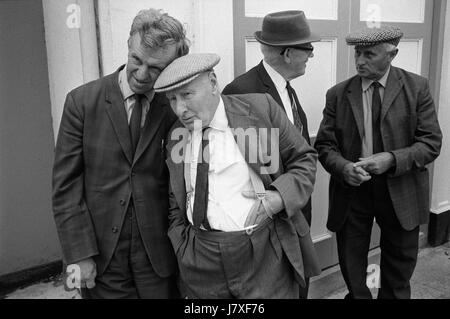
pixel 431 280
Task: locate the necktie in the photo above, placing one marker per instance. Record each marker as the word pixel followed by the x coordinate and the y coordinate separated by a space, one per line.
pixel 300 120
pixel 376 114
pixel 201 184
pixel 135 121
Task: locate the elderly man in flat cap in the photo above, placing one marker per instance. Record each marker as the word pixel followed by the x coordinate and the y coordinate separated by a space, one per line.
pixel 240 173
pixel 286 44
pixel 378 133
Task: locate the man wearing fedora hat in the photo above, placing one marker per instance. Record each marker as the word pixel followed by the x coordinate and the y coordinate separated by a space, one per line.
pixel 286 46
pixel 378 133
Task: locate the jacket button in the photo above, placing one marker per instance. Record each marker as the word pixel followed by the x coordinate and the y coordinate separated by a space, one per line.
pixel 115 230
pixel 122 202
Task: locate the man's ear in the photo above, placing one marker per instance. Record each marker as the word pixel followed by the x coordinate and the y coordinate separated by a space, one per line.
pixel 213 80
pixel 393 54
pixel 287 56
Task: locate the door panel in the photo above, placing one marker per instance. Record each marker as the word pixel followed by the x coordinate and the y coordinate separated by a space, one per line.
pixel 333 63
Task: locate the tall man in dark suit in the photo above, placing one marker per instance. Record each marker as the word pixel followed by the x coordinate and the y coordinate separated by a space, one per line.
pixel 378 133
pixel 240 173
pixel 110 181
pixel 285 42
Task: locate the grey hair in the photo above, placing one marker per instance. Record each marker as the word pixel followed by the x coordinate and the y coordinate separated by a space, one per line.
pixel 158 29
pixel 271 53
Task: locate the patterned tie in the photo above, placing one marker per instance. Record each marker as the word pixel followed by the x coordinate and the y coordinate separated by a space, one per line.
pixel 201 185
pixel 300 120
pixel 135 121
pixel 376 114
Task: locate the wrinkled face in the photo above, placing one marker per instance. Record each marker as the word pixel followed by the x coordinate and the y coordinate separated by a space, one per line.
pixel 373 62
pixel 298 60
pixel 196 101
pixel 146 64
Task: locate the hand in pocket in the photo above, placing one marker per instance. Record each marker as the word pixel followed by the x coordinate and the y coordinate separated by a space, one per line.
pixel 256 215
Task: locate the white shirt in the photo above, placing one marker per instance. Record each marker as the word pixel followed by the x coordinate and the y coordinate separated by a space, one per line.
pixel 129 97
pixel 280 85
pixel 367 89
pixel 228 176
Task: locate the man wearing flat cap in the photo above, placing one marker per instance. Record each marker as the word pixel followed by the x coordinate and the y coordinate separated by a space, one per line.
pixel 240 173
pixel 378 133
pixel 285 41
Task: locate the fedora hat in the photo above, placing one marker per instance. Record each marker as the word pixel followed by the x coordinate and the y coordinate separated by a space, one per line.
pixel 286 28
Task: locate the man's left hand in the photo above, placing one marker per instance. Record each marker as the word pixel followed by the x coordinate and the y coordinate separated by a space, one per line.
pixel 260 212
pixel 377 164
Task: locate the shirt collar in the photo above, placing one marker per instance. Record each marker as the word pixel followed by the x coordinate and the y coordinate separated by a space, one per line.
pixel 383 81
pixel 276 77
pixel 220 120
pixel 125 87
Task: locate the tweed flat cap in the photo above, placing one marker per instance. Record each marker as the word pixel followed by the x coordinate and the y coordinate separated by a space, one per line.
pixel 373 36
pixel 184 70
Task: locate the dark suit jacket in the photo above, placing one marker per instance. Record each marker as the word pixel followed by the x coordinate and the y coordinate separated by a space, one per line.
pixel 257 80
pixel 409 129
pixel 293 178
pixel 95 174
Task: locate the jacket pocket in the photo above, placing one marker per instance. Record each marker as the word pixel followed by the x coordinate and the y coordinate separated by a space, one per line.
pixel 300 224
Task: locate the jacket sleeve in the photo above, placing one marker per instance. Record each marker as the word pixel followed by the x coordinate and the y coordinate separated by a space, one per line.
pixel 71 214
pixel 177 222
pixel 326 142
pixel 177 217
pixel 298 161
pixel 427 137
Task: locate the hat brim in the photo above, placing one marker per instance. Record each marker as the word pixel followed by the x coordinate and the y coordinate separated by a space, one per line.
pixel 312 38
pixel 178 84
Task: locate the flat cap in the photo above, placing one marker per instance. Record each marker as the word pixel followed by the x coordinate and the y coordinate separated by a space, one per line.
pixel 372 36
pixel 184 70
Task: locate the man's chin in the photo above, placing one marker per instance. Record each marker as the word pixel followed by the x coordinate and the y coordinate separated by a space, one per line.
pixel 362 73
pixel 141 89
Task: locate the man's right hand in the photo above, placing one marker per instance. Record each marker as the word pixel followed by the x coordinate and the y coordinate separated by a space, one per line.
pixel 355 176
pixel 88 273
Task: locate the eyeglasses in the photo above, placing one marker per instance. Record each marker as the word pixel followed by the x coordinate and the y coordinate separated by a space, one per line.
pixel 308 48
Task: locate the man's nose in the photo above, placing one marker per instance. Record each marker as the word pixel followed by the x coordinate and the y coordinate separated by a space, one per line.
pixel 180 107
pixel 143 74
pixel 360 61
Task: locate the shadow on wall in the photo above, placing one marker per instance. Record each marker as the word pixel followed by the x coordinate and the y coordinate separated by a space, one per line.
pixel 27 231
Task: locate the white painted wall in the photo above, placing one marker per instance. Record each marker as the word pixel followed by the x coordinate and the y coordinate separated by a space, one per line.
pixel 440 201
pixel 71 49
pixel 209 25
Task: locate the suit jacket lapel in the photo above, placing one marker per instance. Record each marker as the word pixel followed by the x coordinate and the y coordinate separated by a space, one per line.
pixel 354 95
pixel 240 116
pixel 153 121
pixel 176 169
pixel 268 83
pixel 393 88
pixel 116 111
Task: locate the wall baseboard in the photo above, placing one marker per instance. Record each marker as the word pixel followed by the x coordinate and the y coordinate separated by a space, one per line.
pixel 14 281
pixel 439 229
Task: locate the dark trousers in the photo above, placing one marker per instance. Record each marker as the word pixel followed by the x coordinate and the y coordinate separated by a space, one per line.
pixel 399 248
pixel 130 274
pixel 236 265
pixel 303 291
